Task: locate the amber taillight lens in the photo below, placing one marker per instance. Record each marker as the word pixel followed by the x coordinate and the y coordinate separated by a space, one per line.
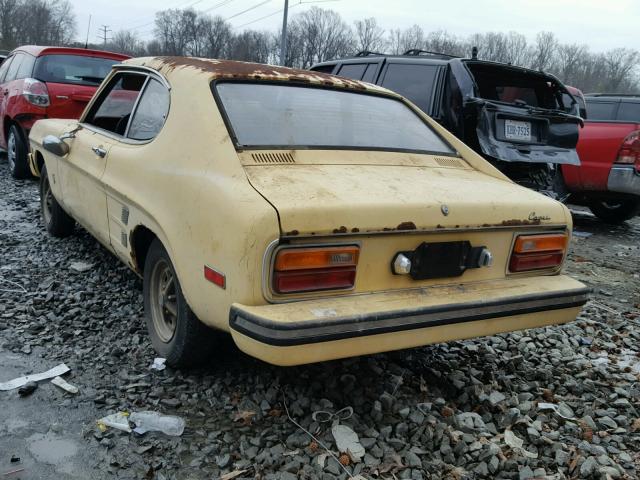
pixel 538 252
pixel 311 269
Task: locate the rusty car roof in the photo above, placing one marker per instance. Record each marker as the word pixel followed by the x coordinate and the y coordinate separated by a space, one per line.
pixel 216 69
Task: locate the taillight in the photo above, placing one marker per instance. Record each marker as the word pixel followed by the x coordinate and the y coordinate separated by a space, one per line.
pixel 538 252
pixel 35 92
pixel 629 152
pixel 315 268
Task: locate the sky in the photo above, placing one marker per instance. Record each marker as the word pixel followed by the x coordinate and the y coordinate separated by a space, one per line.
pixel 600 24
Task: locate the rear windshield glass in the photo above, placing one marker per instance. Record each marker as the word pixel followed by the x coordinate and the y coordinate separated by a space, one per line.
pixel 518 87
pixel 74 69
pixel 285 116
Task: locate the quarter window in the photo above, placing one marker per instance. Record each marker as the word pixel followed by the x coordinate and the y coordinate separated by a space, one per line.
pixel 353 70
pixel 151 112
pixel 113 109
pixel 5 67
pixel 416 82
pixel 370 72
pixel 26 67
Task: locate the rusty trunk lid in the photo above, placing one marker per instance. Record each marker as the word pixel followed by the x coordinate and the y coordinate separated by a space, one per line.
pixel 321 193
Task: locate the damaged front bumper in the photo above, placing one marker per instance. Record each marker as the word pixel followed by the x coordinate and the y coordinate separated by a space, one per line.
pixel 317 330
pixel 624 179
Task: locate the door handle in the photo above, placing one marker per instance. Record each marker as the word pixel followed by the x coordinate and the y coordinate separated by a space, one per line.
pixel 101 152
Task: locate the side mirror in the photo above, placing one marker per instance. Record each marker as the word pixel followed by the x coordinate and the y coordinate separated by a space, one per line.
pixel 55 145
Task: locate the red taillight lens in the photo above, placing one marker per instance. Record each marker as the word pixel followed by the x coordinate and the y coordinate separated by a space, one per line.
pixel 310 269
pixel 629 152
pixel 35 92
pixel 538 252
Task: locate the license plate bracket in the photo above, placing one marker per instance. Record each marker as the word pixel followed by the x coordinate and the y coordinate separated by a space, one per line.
pixel 442 259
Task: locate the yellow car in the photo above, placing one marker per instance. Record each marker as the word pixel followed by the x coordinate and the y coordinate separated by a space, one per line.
pixel 311 216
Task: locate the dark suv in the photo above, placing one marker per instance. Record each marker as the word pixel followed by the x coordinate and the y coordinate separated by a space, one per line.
pixel 521 120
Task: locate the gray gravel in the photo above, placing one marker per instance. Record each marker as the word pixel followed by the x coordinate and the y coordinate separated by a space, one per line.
pixel 435 412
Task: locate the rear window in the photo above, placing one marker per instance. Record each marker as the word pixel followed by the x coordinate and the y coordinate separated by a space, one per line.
pixel 629 112
pixel 601 110
pixel 507 85
pixel 416 82
pixel 281 116
pixel 73 69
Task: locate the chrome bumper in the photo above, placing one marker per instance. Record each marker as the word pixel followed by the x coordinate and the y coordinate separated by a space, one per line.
pixel 624 179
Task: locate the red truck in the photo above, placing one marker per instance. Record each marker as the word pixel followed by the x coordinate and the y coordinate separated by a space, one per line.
pixel 608 179
pixel 45 82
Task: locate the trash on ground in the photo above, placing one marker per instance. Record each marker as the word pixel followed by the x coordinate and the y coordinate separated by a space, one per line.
pixel 561 410
pixel 64 385
pixel 11 472
pixel 234 474
pixel 516 443
pixel 118 420
pixel 20 381
pixel 322 416
pixel 27 389
pixel 579 234
pixel 347 442
pixel 158 364
pixel 149 421
pixel 80 267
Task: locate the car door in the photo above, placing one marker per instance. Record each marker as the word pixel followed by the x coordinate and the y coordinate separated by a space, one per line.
pixel 126 162
pixel 81 171
pixel 5 79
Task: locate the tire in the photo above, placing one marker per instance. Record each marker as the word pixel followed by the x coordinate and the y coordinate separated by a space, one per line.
pixel 57 222
pixel 615 211
pixel 17 154
pixel 176 333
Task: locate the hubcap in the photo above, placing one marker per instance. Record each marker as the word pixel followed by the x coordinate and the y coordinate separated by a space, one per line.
pixel 611 205
pixel 164 304
pixel 47 200
pixel 11 151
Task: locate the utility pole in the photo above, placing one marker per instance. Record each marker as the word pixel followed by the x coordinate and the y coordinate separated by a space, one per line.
pixel 283 40
pixel 104 35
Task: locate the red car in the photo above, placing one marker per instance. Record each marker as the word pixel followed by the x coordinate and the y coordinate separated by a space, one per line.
pixel 608 179
pixel 45 82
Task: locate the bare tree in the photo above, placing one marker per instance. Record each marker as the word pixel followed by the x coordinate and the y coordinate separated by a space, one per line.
pixel 127 42
pixel 369 36
pixel 544 51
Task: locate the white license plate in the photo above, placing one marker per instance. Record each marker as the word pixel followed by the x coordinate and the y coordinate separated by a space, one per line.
pixel 514 130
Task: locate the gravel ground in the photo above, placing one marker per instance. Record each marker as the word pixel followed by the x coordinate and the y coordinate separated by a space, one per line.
pixel 467 409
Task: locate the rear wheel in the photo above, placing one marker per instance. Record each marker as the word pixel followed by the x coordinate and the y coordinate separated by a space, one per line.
pixel 17 154
pixel 175 332
pixel 57 222
pixel 615 211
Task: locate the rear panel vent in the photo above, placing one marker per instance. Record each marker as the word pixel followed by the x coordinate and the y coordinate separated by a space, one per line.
pixel 273 157
pixel 449 162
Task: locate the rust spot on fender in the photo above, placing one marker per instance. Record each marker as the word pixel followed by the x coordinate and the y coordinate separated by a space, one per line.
pixel 292 233
pixel 516 223
pixel 355 230
pixel 407 226
pixel 342 229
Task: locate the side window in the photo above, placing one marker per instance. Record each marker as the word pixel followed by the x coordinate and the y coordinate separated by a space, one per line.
pixel 601 110
pixel 353 70
pixel 629 112
pixel 324 68
pixel 151 112
pixel 14 67
pixel 26 67
pixel 369 73
pixel 113 109
pixel 416 82
pixel 5 67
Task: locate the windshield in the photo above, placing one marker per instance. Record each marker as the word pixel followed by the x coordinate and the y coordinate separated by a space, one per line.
pixel 288 116
pixel 75 69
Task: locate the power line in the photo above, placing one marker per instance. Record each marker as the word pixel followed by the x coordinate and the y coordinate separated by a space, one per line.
pixel 247 10
pixel 282 10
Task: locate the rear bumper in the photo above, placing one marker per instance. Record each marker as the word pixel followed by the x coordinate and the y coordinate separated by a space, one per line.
pixel 624 179
pixel 318 330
